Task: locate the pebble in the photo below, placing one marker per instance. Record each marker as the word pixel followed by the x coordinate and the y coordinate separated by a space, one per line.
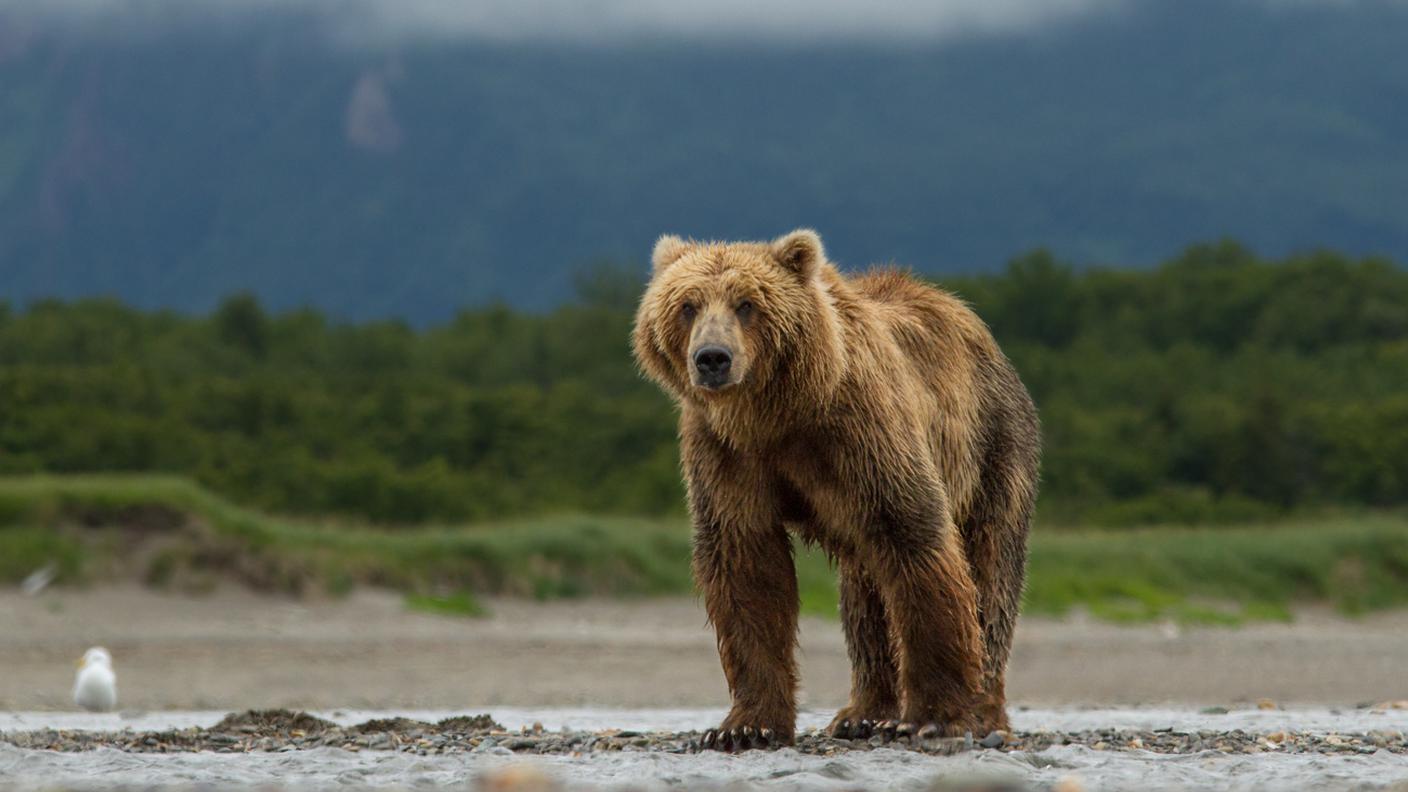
pixel 283 731
pixel 518 778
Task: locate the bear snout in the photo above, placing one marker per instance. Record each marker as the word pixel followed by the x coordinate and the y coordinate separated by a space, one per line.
pixel 713 364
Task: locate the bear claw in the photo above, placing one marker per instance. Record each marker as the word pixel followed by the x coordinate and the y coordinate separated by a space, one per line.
pixel 887 730
pixel 893 730
pixel 854 729
pixel 742 738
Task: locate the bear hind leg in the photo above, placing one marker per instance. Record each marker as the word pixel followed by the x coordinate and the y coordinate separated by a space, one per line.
pixel 995 540
pixel 874 673
pixel 931 603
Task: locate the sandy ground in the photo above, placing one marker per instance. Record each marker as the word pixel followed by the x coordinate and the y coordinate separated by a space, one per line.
pixel 237 650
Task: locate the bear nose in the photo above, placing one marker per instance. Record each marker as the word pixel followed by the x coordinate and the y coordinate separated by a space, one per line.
pixel 712 361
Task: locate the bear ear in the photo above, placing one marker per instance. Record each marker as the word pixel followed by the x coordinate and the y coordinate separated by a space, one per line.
pixel 668 250
pixel 799 251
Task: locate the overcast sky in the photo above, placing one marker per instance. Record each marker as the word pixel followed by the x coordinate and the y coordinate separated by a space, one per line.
pixel 592 19
pixel 604 20
pixel 803 19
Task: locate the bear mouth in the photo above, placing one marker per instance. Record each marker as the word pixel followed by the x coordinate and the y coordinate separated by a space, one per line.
pixel 715 386
pixel 719 383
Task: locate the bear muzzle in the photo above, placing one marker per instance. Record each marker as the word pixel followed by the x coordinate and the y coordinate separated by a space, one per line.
pixel 712 367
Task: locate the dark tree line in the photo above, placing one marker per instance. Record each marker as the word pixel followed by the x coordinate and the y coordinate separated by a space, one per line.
pixel 1217 386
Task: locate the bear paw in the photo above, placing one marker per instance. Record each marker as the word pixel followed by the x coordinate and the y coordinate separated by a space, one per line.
pixel 857 723
pixel 740 738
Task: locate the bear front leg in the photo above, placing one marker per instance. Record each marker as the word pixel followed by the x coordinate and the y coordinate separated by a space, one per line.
pixel 874 676
pixel 749 586
pixel 931 603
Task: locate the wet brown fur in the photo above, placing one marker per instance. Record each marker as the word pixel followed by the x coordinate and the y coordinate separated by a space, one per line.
pixel 876 417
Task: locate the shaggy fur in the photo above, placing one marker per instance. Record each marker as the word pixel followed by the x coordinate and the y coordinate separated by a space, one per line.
pixel 873 416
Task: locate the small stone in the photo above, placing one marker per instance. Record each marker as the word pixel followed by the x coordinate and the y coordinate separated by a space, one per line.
pixel 1266 704
pixel 995 739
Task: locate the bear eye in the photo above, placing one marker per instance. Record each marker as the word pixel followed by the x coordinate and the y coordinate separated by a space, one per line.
pixel 688 311
pixel 745 309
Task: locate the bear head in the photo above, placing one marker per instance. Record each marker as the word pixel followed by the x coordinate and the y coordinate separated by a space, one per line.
pixel 729 321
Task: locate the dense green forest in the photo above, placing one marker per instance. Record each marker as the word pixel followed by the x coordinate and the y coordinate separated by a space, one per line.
pixel 1219 386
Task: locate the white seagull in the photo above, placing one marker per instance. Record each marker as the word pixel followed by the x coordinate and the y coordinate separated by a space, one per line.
pixel 95 688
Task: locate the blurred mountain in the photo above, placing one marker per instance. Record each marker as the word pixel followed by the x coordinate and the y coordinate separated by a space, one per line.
pixel 410 177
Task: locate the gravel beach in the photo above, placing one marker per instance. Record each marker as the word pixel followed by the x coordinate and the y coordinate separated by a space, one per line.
pixel 283 730
pixel 1057 749
pixel 359 693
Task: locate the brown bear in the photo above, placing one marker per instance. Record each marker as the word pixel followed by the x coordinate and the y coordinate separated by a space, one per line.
pixel 873 416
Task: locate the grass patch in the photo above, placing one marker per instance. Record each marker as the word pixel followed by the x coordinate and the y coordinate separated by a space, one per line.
pixel 169 532
pixel 1356 564
pixel 461 603
pixel 816 583
pixel 25 550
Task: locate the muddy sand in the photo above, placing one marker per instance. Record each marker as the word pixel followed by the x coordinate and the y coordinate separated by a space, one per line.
pixel 235 650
